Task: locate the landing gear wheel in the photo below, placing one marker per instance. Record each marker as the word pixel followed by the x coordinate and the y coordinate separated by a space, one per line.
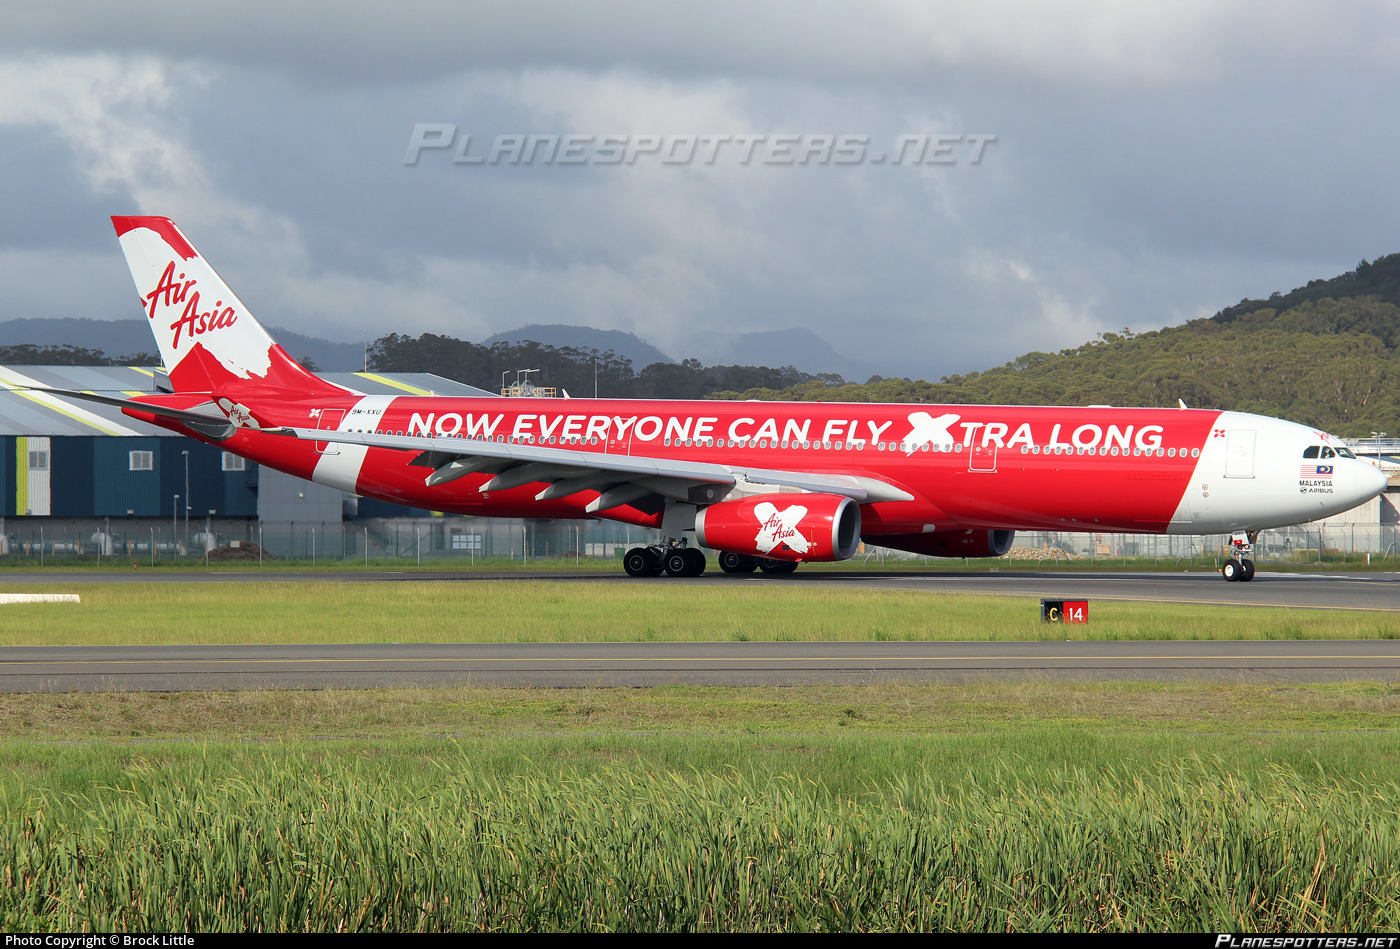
pixel 677 563
pixel 685 562
pixel 641 562
pixel 777 566
pixel 697 562
pixel 737 563
pixel 1240 566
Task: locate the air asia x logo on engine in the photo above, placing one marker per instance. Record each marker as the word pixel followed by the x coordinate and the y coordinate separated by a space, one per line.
pixel 777 527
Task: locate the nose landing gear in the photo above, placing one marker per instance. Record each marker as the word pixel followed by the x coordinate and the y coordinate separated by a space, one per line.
pixel 1240 568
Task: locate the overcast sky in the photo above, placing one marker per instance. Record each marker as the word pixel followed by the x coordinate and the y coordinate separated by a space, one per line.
pixel 1150 163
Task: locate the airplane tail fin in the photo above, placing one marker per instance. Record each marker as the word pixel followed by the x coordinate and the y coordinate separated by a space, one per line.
pixel 208 340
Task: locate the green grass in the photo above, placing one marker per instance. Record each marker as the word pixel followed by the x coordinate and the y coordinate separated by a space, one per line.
pixel 987 807
pixel 559 611
pixel 614 833
pixel 849 738
pixel 993 807
pixel 893 709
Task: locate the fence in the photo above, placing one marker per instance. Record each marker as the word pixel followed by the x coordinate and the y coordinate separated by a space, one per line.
pixel 141 540
pixel 468 539
pixel 149 541
pixel 1306 543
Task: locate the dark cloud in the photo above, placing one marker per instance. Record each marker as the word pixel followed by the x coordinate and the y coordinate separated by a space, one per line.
pixel 1149 165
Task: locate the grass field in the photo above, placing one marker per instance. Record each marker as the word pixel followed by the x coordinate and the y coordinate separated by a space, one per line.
pixel 988 807
pixel 308 841
pixel 559 611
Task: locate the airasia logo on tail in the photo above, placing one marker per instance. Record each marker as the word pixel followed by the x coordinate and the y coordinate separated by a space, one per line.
pixel 780 527
pixel 173 289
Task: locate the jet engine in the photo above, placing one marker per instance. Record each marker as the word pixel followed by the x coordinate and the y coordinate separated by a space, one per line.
pixel 955 543
pixel 792 527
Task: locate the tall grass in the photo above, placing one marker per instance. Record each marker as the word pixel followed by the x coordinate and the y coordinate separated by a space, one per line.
pixel 299 843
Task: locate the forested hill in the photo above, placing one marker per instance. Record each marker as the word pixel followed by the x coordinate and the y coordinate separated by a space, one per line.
pixel 1330 361
pixel 1379 279
pixel 574 369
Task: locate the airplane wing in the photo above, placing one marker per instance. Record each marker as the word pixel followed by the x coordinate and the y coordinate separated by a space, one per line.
pixel 619 479
pixel 187 415
pixel 205 418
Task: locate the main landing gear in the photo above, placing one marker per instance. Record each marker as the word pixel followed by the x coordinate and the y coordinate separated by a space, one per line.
pixel 742 563
pixel 690 562
pixel 1239 567
pixel 673 561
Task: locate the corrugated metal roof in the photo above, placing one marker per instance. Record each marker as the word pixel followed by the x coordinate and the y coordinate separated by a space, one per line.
pixel 31 413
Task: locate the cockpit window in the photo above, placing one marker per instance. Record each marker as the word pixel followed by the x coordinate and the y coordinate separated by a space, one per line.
pixel 1322 451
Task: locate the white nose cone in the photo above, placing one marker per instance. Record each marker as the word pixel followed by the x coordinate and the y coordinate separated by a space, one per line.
pixel 1370 481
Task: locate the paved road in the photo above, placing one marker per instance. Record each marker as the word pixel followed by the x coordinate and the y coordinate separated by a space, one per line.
pixel 180 668
pixel 1365 591
pixel 171 668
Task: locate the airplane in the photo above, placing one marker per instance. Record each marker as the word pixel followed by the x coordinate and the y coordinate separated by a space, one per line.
pixel 768 485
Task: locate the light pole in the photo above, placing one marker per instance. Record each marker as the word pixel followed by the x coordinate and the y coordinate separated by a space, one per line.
pixel 187 496
pixel 175 521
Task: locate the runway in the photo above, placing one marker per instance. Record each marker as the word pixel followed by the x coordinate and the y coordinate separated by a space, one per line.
pixel 564 665
pixel 1359 591
pixel 181 668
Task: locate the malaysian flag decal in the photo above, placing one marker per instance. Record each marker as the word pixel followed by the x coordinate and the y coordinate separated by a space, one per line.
pixel 1316 471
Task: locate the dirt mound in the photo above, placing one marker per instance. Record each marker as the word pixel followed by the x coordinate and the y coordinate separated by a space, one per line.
pixel 1041 553
pixel 244 551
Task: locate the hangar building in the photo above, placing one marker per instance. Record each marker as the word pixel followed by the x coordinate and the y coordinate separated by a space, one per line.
pixel 82 478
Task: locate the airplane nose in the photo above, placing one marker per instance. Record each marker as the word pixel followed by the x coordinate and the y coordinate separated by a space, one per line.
pixel 1368 481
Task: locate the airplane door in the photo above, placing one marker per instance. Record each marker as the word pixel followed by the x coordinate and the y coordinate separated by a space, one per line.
pixel 982 458
pixel 329 420
pixel 1239 453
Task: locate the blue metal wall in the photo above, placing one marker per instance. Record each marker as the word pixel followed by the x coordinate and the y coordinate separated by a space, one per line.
pixel 71 476
pixel 120 489
pixel 91 476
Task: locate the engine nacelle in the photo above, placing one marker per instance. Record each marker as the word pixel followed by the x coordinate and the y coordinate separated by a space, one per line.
pixel 955 543
pixel 795 527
